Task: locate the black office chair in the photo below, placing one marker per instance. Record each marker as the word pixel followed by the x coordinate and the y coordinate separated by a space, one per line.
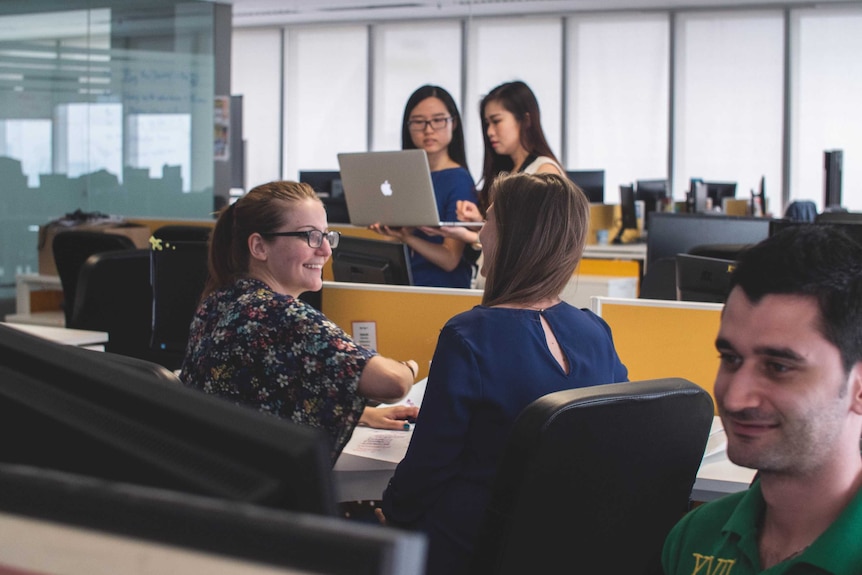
pixel 71 249
pixel 178 272
pixel 593 479
pixel 719 251
pixel 114 296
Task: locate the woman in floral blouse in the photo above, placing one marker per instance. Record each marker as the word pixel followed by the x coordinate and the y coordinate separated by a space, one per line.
pixel 254 342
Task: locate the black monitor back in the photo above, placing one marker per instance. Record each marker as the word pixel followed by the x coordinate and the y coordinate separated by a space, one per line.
pixel 704 279
pixel 327 184
pixel 176 532
pixel 672 234
pixel 591 182
pixel 83 412
pixel 178 273
pixel 364 260
pixel 651 193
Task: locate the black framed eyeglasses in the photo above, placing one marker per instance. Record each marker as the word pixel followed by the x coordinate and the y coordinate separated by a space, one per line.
pixel 435 123
pixel 313 237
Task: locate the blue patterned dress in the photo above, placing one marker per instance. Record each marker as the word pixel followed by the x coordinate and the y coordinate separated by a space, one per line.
pixel 277 354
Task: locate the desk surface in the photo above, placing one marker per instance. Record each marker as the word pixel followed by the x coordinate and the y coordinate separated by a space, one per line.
pixel 636 251
pixel 360 476
pixel 78 337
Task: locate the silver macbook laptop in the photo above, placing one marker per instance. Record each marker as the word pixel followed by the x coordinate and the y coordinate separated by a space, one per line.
pixel 390 188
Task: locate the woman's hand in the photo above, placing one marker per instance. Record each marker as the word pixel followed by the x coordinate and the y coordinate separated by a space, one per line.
pixel 463 234
pixel 397 417
pixel 397 232
pixel 467 211
pixel 378 513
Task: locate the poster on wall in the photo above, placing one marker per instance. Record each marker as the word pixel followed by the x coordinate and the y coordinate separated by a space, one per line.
pixel 221 118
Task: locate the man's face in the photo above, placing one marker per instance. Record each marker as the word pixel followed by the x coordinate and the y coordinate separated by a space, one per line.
pixel 781 389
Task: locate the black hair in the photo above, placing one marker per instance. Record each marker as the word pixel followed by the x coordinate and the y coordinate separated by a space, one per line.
pixel 456 147
pixel 813 260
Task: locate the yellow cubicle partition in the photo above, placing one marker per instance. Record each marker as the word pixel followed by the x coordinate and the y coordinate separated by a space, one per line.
pixel 405 320
pixel 658 338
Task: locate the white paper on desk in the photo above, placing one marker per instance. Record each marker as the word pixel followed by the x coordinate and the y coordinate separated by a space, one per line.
pixel 382 444
pixel 414 397
pixel 716 444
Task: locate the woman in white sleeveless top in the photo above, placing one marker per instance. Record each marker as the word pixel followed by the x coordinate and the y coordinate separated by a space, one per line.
pixel 514 142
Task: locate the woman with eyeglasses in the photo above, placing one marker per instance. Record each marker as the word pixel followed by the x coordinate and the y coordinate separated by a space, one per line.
pixel 254 342
pixel 432 123
pixel 521 343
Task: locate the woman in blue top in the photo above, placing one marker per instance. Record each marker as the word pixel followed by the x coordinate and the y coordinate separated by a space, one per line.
pixel 523 342
pixel 432 123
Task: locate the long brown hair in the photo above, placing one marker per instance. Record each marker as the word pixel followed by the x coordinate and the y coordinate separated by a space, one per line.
pixel 517 98
pixel 261 210
pixel 542 222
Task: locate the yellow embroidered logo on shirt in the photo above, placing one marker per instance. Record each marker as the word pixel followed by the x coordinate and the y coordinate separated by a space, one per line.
pixel 709 565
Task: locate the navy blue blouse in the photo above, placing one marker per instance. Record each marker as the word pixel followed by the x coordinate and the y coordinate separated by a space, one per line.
pixel 490 363
pixel 450 185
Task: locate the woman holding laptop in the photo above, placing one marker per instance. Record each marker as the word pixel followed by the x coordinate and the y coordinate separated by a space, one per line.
pixel 432 123
pixel 521 343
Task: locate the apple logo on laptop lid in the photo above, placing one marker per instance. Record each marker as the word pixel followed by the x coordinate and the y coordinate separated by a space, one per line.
pixel 386 188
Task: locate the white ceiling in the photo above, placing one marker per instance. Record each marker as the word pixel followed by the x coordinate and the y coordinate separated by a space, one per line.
pixel 280 12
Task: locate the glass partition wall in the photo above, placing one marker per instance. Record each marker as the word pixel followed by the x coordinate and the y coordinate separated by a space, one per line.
pixel 104 107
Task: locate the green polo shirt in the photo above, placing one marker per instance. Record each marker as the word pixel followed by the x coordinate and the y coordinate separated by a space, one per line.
pixel 720 538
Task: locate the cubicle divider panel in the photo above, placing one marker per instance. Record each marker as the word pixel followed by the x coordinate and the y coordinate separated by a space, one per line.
pixel 617 268
pixel 659 338
pixel 403 321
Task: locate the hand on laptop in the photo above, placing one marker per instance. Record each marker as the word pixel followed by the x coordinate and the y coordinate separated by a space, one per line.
pixel 397 232
pixel 468 211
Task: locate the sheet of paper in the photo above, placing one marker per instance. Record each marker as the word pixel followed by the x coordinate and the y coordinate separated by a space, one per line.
pixel 414 397
pixel 381 444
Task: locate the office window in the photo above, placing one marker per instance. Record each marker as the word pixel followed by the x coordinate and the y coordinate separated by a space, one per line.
pixel 826 92
pixel 407 56
pixel 729 101
pixel 256 75
pixel 617 97
pixel 29 140
pixel 326 96
pixel 502 50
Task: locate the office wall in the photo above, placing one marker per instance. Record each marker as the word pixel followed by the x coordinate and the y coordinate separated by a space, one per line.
pixel 106 106
pixel 727 94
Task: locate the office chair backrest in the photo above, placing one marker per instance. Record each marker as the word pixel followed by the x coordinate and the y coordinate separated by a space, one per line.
pixel 72 248
pixel 114 295
pixel 593 479
pixel 178 273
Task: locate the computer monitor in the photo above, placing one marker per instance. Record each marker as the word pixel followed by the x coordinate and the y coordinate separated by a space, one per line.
pixel 718 191
pixel 704 279
pixel 79 411
pixel 833 166
pixel 652 193
pixel 592 182
pixel 327 184
pixel 628 212
pixel 57 522
pixel 364 260
pixel 672 233
pixel 696 197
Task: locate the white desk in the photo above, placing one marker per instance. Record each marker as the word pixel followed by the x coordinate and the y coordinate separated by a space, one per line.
pixel 636 251
pixel 360 478
pixel 77 337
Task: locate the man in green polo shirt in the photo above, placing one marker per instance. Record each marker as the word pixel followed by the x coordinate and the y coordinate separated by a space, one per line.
pixel 789 392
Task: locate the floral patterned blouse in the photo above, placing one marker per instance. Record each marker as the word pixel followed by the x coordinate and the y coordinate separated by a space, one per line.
pixel 277 354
